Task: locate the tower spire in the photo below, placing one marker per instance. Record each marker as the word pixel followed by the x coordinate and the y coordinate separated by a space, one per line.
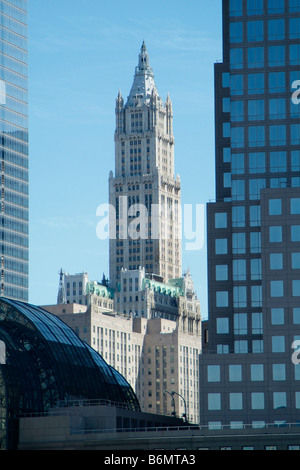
pixel 143 83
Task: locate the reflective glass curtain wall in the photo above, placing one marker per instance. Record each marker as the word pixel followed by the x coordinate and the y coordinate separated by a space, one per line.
pixel 257 147
pixel 14 149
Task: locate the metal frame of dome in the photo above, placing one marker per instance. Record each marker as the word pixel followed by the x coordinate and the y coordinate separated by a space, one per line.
pixel 47 362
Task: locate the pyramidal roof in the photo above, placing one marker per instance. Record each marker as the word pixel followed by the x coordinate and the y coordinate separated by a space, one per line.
pixel 143 84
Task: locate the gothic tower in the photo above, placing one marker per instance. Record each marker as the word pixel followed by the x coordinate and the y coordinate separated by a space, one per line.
pixel 144 193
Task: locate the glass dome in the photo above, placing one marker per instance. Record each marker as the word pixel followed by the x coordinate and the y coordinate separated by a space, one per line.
pixel 46 362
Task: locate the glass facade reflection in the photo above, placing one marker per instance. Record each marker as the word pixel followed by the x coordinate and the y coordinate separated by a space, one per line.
pixel 45 362
pixel 14 149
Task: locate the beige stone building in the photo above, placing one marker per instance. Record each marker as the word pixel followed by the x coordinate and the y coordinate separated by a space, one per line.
pixel 157 353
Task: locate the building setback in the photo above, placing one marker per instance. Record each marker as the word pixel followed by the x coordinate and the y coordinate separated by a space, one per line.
pixel 157 352
pixel 248 375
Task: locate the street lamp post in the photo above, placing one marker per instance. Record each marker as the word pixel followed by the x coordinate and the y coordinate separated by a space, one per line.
pixel 173 402
pixel 184 415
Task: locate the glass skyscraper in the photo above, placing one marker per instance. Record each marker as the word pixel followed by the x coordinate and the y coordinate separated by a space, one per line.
pixel 14 149
pixel 254 225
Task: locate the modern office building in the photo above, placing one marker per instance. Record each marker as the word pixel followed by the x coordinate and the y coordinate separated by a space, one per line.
pixel 14 149
pixel 145 224
pixel 249 376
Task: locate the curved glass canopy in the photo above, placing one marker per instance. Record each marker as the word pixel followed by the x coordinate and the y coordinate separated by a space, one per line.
pixel 46 362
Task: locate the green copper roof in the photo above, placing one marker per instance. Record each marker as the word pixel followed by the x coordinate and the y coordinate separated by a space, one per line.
pixel 100 290
pixel 171 288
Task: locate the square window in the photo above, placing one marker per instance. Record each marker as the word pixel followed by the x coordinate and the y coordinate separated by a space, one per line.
pixel 296 287
pixel 275 234
pixel 279 400
pixel 295 206
pixel 276 261
pixel 222 299
pixel 257 372
pixel 226 155
pixel 221 220
pixel 277 316
pixel 235 373
pixel 214 401
pixel 275 206
pixel 276 288
pixel 278 344
pixel 295 233
pixel 221 246
pixel 295 260
pixel 257 400
pixel 279 373
pixel 296 316
pixel 236 401
pixel 213 373
pixel 222 325
pixel 222 272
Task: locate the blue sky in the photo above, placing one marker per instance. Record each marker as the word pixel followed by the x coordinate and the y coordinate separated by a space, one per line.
pixel 81 52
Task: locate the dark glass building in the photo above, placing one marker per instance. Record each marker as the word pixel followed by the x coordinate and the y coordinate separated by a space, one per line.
pixel 253 227
pixel 14 149
pixel 42 361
